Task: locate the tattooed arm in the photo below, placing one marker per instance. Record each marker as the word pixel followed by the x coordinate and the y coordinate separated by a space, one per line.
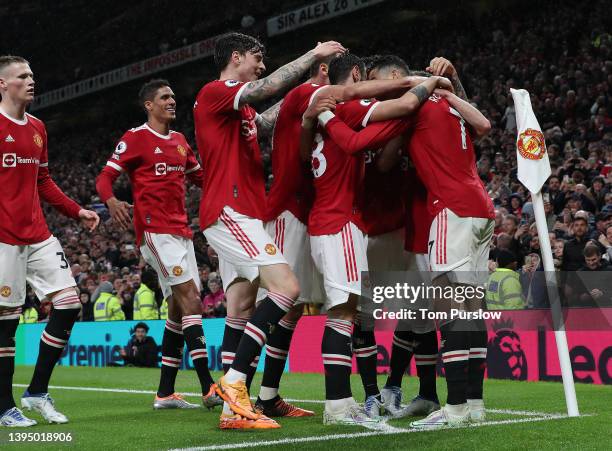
pixel 409 102
pixel 443 67
pixel 287 75
pixel 266 120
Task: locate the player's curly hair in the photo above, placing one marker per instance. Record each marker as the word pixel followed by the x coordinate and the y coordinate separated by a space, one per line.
pixel 341 66
pixel 235 42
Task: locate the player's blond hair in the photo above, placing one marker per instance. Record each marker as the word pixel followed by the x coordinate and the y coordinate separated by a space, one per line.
pixel 7 60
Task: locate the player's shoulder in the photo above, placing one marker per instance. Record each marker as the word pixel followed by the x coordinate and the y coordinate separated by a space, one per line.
pixel 177 135
pixel 219 85
pixel 36 122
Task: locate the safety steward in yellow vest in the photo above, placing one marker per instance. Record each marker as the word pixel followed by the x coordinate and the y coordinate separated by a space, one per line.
pixel 145 306
pixel 108 306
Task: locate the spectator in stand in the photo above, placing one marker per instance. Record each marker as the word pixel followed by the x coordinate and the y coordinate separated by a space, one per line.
pixel 213 303
pixel 141 350
pixel 86 306
pixel 573 257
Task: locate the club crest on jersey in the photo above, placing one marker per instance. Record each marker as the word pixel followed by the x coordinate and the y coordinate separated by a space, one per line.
pixel 180 149
pixel 531 144
pixel 121 147
pixel 270 249
pixel 231 83
pixel 5 291
pixel 9 160
pixel 38 140
pixel 177 271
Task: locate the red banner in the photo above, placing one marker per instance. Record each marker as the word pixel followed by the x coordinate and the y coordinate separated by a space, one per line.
pixel 515 351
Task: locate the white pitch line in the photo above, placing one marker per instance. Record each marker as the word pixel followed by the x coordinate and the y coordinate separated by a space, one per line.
pixel 322 438
pixel 302 401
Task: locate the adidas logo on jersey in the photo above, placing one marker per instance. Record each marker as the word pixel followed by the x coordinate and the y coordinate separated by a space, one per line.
pixel 9 139
pixel 158 150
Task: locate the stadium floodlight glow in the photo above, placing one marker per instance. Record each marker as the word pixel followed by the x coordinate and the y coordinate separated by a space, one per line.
pixel 533 171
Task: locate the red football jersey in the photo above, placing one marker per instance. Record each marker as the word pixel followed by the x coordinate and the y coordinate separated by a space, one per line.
pixel 292 185
pixel 418 217
pixel 25 180
pixel 156 165
pixel 442 151
pixel 338 169
pixel 226 136
pixel 384 208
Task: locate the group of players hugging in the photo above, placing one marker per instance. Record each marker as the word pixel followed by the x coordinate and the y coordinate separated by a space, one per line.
pixel 373 168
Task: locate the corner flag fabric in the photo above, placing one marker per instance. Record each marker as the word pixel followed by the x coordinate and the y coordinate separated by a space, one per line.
pixel 531 155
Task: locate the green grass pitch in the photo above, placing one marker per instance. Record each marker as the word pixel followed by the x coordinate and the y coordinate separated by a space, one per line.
pixel 522 417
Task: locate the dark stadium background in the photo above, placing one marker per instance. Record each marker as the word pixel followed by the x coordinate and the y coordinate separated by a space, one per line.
pixel 559 51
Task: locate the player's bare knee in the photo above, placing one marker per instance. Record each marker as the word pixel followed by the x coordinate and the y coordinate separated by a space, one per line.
pixel 295 313
pixel 344 311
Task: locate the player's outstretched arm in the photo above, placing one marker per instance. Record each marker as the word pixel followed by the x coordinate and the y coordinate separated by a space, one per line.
pixel 409 102
pixel 444 68
pixel 373 88
pixel 287 75
pixel 119 210
pixel 266 120
pixel 373 136
pixel 54 196
pixel 479 123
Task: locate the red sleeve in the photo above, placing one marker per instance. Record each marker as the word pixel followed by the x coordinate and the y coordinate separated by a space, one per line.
pixel 50 192
pixel 193 170
pixel 371 137
pixel 104 182
pixel 221 96
pixel 356 113
pixel 124 158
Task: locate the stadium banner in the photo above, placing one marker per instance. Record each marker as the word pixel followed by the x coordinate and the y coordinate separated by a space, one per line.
pixel 143 68
pixel 99 343
pixel 314 13
pixel 513 353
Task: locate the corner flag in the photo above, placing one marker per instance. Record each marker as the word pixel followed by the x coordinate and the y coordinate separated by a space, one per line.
pixel 533 171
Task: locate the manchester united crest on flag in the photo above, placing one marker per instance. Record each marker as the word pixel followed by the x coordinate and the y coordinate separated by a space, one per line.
pixel 531 144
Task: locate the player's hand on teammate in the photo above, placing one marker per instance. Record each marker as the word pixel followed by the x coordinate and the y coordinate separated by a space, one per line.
pixel 120 212
pixel 322 103
pixel 89 218
pixel 328 48
pixel 442 67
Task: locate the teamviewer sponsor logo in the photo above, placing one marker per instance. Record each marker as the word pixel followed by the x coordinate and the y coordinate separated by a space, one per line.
pixel 160 169
pixel 9 160
pixel 163 169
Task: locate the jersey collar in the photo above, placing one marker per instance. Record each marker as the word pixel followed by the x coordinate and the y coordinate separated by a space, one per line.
pixel 12 119
pixel 159 135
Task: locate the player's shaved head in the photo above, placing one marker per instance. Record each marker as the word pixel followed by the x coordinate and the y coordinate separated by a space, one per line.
pixel 149 89
pixel 7 60
pixel 386 63
pixel 341 67
pixel 235 42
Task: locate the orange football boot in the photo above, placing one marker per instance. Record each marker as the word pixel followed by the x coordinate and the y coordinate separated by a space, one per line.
pixel 236 421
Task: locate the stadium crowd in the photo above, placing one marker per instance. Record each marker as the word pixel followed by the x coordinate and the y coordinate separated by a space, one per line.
pixel 564 61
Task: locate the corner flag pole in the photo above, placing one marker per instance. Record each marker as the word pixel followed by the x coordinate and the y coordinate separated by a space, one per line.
pixel 533 171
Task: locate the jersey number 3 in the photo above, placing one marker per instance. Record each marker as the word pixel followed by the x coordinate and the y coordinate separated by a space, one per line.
pixel 318 161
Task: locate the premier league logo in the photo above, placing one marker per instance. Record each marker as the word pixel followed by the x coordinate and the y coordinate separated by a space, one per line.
pixel 506 358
